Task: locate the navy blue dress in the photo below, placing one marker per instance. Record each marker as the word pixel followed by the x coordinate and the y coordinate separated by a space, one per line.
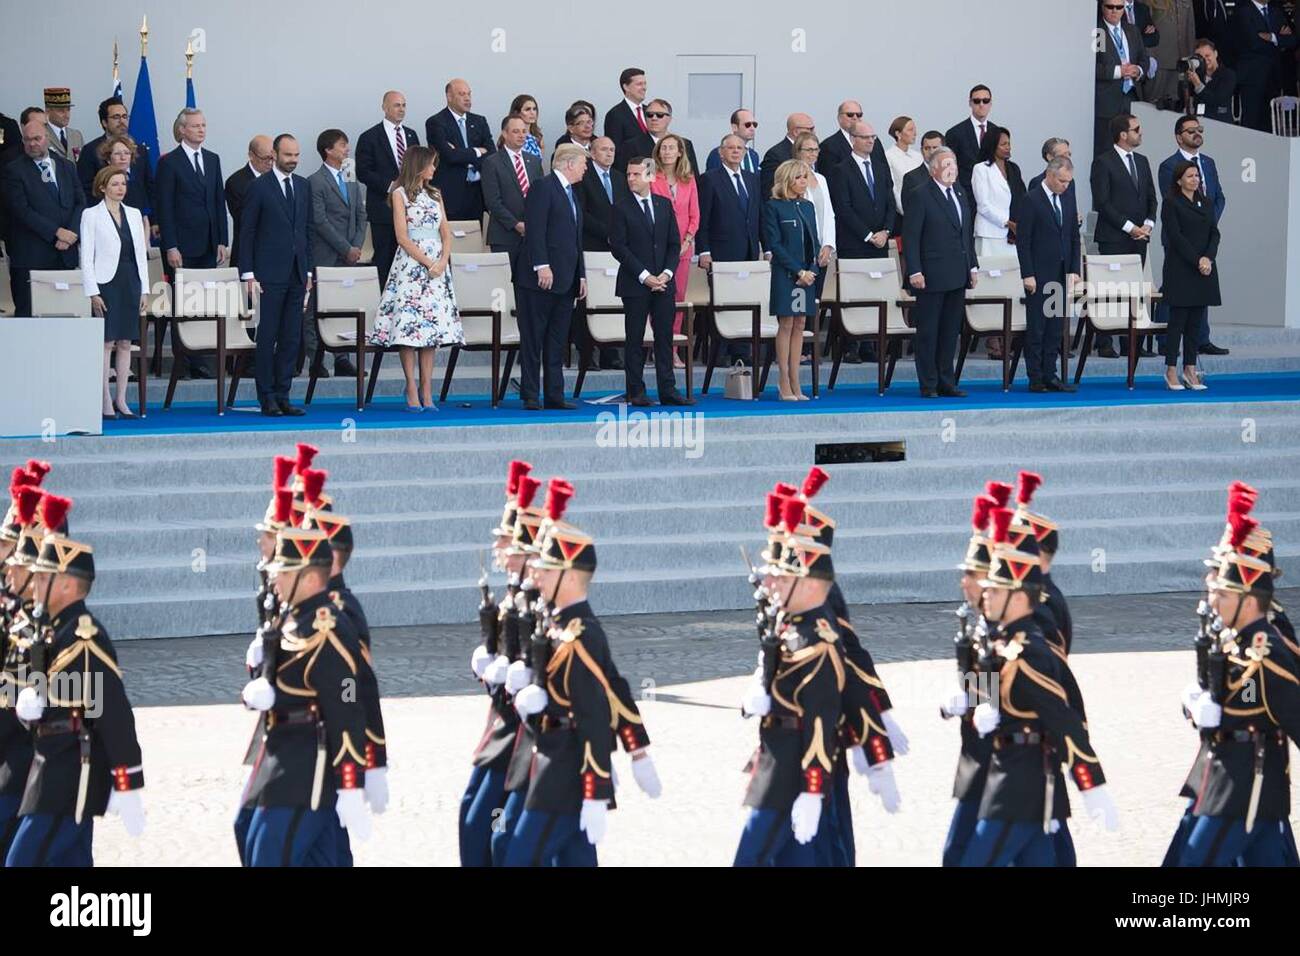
pixel 790 234
pixel 122 295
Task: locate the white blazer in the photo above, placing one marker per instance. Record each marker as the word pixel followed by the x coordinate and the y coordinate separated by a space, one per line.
pixel 101 246
pixel 819 194
pixel 992 201
pixel 900 164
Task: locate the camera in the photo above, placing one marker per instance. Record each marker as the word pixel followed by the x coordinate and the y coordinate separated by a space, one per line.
pixel 1190 63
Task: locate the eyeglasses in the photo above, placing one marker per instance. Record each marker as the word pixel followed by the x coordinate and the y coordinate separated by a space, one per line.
pixel 1112 6
pixel 658 115
pixel 853 115
pixel 981 101
pixel 864 135
pixel 753 125
pixel 118 116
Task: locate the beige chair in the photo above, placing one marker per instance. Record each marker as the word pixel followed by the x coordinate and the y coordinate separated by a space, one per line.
pixel 1285 111
pixel 467 236
pixel 160 307
pixel 347 299
pixel 485 299
pixel 210 317
pixel 870 303
pixel 6 288
pixel 1118 297
pixel 368 246
pixel 58 292
pixel 995 307
pixel 602 310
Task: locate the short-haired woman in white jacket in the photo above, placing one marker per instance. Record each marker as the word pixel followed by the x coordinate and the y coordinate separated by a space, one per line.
pixel 115 273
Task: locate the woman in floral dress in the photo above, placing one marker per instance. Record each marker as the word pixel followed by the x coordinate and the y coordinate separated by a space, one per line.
pixel 418 309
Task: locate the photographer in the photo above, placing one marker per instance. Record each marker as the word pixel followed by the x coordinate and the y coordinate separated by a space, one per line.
pixel 1212 85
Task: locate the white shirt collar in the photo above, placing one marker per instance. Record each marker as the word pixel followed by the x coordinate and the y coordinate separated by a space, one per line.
pixel 1190 157
pixel 190 151
pixel 1051 196
pixel 1123 153
pixel 54 126
pixel 252 170
pixel 848 137
pixel 602 170
pixel 390 126
pixel 457 116
pixel 560 176
pixel 280 176
pixel 633 106
pixel 975 124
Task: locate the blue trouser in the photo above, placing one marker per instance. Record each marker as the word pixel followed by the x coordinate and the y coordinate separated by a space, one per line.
pixel 243 820
pixel 1004 843
pixel 964 817
pixel 8 821
pixel 479 809
pixel 549 839
pixel 768 840
pixel 1063 846
pixel 279 331
pixel 1223 841
pixel 47 839
pixel 1179 843
pixel 835 834
pixel 292 836
pixel 503 830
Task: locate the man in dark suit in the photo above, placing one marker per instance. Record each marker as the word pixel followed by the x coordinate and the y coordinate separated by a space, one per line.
pixel 745 125
pixel 1211 17
pixel 44 199
pixel 1138 15
pixel 1260 37
pixel 380 150
pixel 1047 244
pixel 966 138
pixel 1189 134
pixel 549 277
pixel 626 118
pixel 939 252
pixel 508 174
pixel 261 157
pixel 1213 85
pixel 1120 70
pixel 931 143
pixel 275 260
pixel 599 192
pixel 658 117
pixel 1124 196
pixel 795 124
pixel 729 217
pixel 463 141
pixel 644 239
pixel 113 117
pixel 11 147
pixel 192 209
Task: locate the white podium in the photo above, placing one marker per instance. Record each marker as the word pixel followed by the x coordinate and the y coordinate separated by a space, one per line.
pixel 53 379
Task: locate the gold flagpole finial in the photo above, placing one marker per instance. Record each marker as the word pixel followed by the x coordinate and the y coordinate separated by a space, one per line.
pixel 144 35
pixel 189 59
pixel 115 70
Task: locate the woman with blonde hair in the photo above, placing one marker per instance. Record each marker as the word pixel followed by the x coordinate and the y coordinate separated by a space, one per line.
pixel 417 311
pixel 675 181
pixel 790 235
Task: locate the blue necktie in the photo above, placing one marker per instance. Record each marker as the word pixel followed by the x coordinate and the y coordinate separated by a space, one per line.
pixel 343 188
pixel 741 191
pixel 288 195
pixel 649 216
pixel 1118 34
pixel 1056 209
pixel 871 180
pixel 568 194
pixel 609 187
pixel 472 175
pixel 47 176
pixel 1133 171
pixel 952 198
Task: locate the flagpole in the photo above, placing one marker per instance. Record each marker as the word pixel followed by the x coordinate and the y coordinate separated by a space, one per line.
pixel 190 101
pixel 144 36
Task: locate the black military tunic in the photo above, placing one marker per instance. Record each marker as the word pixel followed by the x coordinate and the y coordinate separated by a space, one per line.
pixel 864 698
pixel 316 732
pixel 1261 709
pixel 502 730
pixel 1060 614
pixel 799 737
pixel 1039 731
pixel 376 744
pixel 976 751
pixel 15 738
pixel 87 720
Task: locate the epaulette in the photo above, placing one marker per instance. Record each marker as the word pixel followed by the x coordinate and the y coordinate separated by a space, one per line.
pixel 572 631
pixel 1013 647
pixel 826 631
pixel 337 600
pixel 1259 647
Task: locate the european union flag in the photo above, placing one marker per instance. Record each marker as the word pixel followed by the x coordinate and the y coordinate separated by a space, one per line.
pixel 143 125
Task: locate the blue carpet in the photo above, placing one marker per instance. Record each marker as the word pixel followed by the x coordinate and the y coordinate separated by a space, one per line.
pixel 476 410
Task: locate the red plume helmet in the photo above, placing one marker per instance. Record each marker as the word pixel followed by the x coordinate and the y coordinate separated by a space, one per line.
pixel 516 470
pixel 979 515
pixel 283 505
pixel 791 513
pixel 1001 522
pixel 284 469
pixel 38 468
pixel 1242 526
pixel 1028 483
pixel 21 478
pixel 306 455
pixel 813 483
pixel 28 500
pixel 785 490
pixel 313 482
pixel 1000 491
pixel 1240 487
pixel 1240 503
pixel 558 493
pixel 775 503
pixel 53 510
pixel 528 490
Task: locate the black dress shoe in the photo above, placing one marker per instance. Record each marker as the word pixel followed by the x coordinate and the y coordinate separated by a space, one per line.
pixel 1056 385
pixel 561 405
pixel 946 392
pixel 1107 351
pixel 852 358
pixel 343 367
pixel 929 393
pixel 1038 387
pixel 674 398
pixel 272 411
pixel 320 371
pixel 532 406
pixel 1146 352
pixel 640 401
pixel 1209 348
pixel 287 409
pixel 201 372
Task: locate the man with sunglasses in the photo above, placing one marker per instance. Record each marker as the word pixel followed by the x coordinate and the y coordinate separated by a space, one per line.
pixel 1119 72
pixel 839 146
pixel 658 117
pixel 967 137
pixel 745 125
pixel 795 124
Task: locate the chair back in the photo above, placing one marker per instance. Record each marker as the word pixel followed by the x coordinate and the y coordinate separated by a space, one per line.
pixel 482 281
pixel 58 292
pixel 346 289
pixel 6 297
pixel 999 277
pixel 1113 283
pixel 160 290
pixel 1286 115
pixel 871 280
pixel 211 293
pixel 742 283
pixel 602 276
pixel 697 287
pixel 467 236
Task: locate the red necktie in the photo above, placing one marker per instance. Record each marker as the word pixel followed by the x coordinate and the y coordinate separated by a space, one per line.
pixel 981 134
pixel 521 175
pixel 640 120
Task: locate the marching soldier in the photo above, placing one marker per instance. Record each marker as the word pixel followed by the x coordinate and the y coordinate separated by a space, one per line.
pixel 1033 727
pixel 1249 706
pixel 87 758
pixel 577 707
pixel 309 774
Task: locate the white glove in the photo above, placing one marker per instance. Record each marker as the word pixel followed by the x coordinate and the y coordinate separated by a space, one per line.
pixel 591 820
pixel 531 700
pixel 30 705
pixel 987 717
pixel 880 781
pixel 858 760
pixel 756 702
pixel 1206 714
pixel 955 702
pixel 253 656
pixel 495 672
pixel 1097 801
pixel 259 694
pixel 518 676
pixel 645 775
pixel 377 789
pixel 351 810
pixel 479 661
pixel 897 739
pixel 1189 695
pixel 1054 826
pixel 127 805
pixel 806 816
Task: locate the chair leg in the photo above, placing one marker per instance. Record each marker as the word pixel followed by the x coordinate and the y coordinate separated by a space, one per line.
pixel 816 354
pixel 1088 335
pixel 968 341
pixel 171 382
pixel 584 359
pixel 1015 357
pixel 767 368
pixel 237 374
pixel 505 376
pixel 1133 340
pixel 894 353
pixel 1079 330
pixel 159 330
pixel 708 369
pixel 837 356
pixel 142 366
pixel 374 374
pixel 451 370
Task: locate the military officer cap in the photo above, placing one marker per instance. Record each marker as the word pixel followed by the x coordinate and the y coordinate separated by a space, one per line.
pixel 59 553
pixel 306 454
pixel 27 546
pixel 820 523
pixel 528 519
pixel 515 471
pixel 776 500
pixel 1258 543
pixel 801 555
pixel 276 515
pixel 1045 529
pixel 978 559
pixel 321 514
pixel 562 546
pixel 1240 571
pixel 21 478
pixel 309 496
pixel 58 97
pixel 299 548
pixel 1015 563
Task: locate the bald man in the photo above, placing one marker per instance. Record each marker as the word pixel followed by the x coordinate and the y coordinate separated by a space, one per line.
pixel 260 159
pixel 462 139
pixel 795 124
pixel 837 147
pixel 379 153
